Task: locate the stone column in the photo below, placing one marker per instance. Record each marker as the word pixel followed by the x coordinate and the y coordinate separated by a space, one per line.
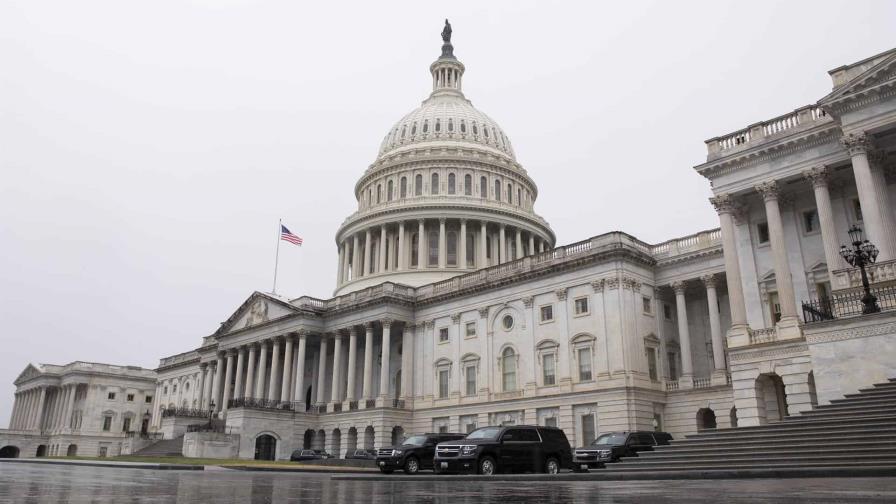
pixel 15 411
pixel 483 245
pixel 41 403
pixel 382 261
pixel 402 252
pixel 502 245
pixel 684 337
pixel 356 257
pixel 715 328
pixel 873 213
pixel 287 370
pixel 228 377
pixel 519 244
pixel 322 371
pixel 207 386
pixel 249 389
pixel 739 333
pixel 262 370
pixel 216 385
pixel 367 242
pixel 443 249
pixel 385 356
pixel 531 244
pixel 300 371
pixel 422 253
pixel 367 385
pixel 274 382
pixel 335 395
pixel 462 245
pixel 788 327
pixel 340 265
pixel 70 406
pixel 239 390
pixel 407 361
pixel 819 177
pixel 200 385
pixel 352 363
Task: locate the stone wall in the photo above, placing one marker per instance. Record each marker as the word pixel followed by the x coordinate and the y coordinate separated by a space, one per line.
pixel 211 445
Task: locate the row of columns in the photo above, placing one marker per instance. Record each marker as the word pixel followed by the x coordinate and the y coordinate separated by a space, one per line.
pixel 224 379
pixel 356 252
pixel 684 335
pixel 30 408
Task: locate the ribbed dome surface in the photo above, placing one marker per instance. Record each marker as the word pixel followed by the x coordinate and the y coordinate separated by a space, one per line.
pixel 447 118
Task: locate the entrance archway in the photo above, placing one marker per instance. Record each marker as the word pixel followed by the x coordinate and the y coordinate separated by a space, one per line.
pixel 336 443
pixel 733 416
pixel 320 441
pixel 265 447
pixel 72 450
pixel 308 439
pixel 771 398
pixel 308 399
pixel 352 440
pixel 368 438
pixel 397 435
pixel 9 452
pixel 706 419
pixel 42 450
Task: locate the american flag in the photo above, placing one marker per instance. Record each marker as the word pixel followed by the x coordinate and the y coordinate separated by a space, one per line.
pixel 286 235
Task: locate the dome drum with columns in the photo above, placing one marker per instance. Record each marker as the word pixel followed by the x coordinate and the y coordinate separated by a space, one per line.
pixel 445 196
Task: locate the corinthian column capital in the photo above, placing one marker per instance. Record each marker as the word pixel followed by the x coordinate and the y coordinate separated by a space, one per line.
pixel 679 287
pixel 709 280
pixel 856 143
pixel 724 203
pixel 769 190
pixel 819 176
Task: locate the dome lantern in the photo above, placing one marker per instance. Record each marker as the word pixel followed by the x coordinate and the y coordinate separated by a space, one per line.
pixel 447 72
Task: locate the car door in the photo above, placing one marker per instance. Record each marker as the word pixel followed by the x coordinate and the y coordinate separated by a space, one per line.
pixel 641 442
pixel 428 452
pixel 510 449
pixel 531 452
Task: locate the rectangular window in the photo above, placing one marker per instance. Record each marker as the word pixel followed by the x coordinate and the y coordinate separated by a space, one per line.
pixel 857 209
pixel 657 422
pixel 584 364
pixel 107 423
pixel 104 451
pixel 673 365
pixel 762 232
pixel 581 306
pixel 810 221
pixel 126 425
pixel 774 306
pixel 587 429
pixel 550 421
pixel 651 364
pixel 443 335
pixel 148 399
pixel 470 373
pixel 667 311
pixel 130 397
pixel 443 429
pixel 471 329
pixel 443 384
pixel 111 396
pixel 547 313
pixel 471 427
pixel 547 363
pixel 646 305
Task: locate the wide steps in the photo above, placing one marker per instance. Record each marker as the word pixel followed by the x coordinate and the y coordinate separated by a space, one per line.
pixel 619 467
pixel 165 447
pixel 875 429
pixel 844 413
pixel 772 452
pixel 796 426
pixel 765 445
pixel 762 459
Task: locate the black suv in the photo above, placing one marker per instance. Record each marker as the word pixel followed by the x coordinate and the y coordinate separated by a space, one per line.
pixel 517 448
pixel 413 454
pixel 612 446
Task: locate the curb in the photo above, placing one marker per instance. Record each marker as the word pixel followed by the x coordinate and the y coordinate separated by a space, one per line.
pixel 120 465
pixel 720 474
pixel 323 470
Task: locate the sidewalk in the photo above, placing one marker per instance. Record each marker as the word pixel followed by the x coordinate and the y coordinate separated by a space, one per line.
pixel 109 463
pixel 307 468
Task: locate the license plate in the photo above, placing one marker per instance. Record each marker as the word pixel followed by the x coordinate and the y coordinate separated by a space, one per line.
pixel 444 465
pixel 583 466
pixel 382 463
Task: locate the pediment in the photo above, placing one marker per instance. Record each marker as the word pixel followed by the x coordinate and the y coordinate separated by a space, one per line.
pixel 28 373
pixel 881 70
pixel 258 309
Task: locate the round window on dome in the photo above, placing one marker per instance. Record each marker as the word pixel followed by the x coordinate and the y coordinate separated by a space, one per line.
pixel 507 322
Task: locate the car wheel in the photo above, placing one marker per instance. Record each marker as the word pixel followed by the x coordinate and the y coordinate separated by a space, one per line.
pixel 386 471
pixel 411 465
pixel 487 466
pixel 552 466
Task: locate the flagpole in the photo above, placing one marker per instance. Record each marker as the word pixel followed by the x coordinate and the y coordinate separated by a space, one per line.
pixel 277 255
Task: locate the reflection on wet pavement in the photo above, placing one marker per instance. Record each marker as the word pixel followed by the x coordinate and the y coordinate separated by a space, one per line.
pixel 33 483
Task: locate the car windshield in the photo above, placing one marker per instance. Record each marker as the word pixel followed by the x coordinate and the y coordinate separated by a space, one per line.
pixel 610 439
pixel 484 433
pixel 415 441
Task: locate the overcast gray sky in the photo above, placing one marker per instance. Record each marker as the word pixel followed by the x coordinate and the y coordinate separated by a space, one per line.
pixel 147 149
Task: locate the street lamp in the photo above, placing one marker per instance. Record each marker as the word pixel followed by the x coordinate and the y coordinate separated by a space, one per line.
pixel 862 254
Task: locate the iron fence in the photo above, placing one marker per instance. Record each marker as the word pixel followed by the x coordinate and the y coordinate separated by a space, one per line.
pixel 213 425
pixel 185 412
pixel 253 403
pixel 848 304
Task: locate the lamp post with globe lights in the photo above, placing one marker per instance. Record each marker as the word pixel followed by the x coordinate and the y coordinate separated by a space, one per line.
pixel 862 253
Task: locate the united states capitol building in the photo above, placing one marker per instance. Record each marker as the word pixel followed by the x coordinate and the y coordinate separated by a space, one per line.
pixel 454 306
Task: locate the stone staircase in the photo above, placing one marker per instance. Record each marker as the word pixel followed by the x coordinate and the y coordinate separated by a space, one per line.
pixel 857 431
pixel 164 448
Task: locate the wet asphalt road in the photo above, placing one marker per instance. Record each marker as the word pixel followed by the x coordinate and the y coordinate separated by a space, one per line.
pixel 33 483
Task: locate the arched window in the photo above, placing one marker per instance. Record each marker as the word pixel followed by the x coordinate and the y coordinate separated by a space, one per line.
pixel 485 130
pixel 389 191
pixel 451 183
pixel 438 125
pixel 433 248
pixel 468 185
pixel 418 185
pixel 403 190
pixel 403 129
pixel 519 197
pixel 379 192
pixel 509 193
pixel 463 126
pixel 483 188
pixel 471 247
pixel 415 252
pixel 450 124
pixel 475 129
pixel 452 248
pixel 434 184
pixel 369 196
pixel 508 369
pixel 414 129
pixel 497 191
pixel 426 126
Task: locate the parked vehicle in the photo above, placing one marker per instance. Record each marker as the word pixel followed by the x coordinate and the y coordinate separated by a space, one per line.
pixel 414 453
pixel 323 454
pixel 300 455
pixel 518 448
pixel 361 454
pixel 612 446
